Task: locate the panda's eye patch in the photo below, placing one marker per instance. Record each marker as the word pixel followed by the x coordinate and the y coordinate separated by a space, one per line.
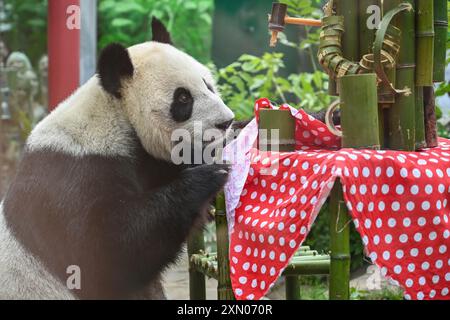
pixel 183 96
pixel 182 105
pixel 210 88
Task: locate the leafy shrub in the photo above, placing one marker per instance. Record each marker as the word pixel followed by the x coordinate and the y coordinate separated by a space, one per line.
pixel 128 22
pixel 251 78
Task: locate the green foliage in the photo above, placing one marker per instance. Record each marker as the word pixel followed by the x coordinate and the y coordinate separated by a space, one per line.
pixel 28 27
pixel 319 238
pixel 384 294
pixel 188 21
pixel 251 78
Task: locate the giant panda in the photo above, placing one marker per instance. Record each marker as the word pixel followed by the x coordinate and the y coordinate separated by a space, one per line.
pixel 96 187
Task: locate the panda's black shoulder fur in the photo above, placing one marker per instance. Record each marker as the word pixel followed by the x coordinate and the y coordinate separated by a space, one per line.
pixel 121 220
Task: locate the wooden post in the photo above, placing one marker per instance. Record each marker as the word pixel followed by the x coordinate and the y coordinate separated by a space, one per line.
pixel 292 287
pixel 224 289
pixel 63 50
pixel 197 287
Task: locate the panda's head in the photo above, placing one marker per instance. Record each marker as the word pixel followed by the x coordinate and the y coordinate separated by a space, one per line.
pixel 162 89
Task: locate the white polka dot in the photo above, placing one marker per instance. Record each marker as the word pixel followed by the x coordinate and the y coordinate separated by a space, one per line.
pixel 392 222
pixel 238 248
pixel 399 254
pixel 400 189
pixel 410 206
pixel 404 173
pixel 281 226
pixel 388 239
pixel 385 189
pixel 398 269
pixel 379 223
pixel 421 221
pixel 416 173
pixel 386 255
pixel 409 283
pixel 381 206
pixel 418 237
pixel 411 267
pixel 403 238
pixel 390 172
pixel 414 252
pixel 426 205
pixel 395 206
pixel 243 280
pixel 428 189
pixel 414 190
pixel 425 266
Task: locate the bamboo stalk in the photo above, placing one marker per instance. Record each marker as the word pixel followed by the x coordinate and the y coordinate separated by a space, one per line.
pixel 292 288
pixel 424 42
pixel 307 267
pixel 402 116
pixel 366 35
pixel 359 109
pixel 350 40
pixel 421 142
pixel 440 43
pixel 197 287
pixel 339 281
pixel 430 117
pixel 224 289
pixel 277 130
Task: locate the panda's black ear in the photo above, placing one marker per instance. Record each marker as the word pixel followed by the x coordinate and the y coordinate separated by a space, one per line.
pixel 160 33
pixel 114 66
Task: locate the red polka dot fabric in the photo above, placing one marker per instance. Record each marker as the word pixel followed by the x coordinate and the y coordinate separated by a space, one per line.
pixel 398 202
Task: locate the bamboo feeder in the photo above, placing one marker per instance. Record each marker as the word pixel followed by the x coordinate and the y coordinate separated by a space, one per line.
pixel 276 130
pixel 401 115
pixel 424 42
pixel 359 111
pixel 440 42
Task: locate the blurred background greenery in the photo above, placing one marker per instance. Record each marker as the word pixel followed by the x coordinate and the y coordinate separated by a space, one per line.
pixel 231 37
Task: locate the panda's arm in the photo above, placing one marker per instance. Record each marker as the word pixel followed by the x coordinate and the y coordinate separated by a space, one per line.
pixel 153 225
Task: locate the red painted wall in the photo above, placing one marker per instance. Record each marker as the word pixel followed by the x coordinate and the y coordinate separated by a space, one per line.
pixel 63 51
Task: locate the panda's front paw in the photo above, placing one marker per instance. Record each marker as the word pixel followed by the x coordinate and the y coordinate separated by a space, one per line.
pixel 207 180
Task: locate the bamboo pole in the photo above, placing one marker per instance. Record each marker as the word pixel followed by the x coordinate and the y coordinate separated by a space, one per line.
pixel 292 287
pixel 431 135
pixel 440 43
pixel 359 109
pixel 350 40
pixel 402 116
pixel 340 241
pixel 366 35
pixel 339 281
pixel 424 42
pixel 224 289
pixel 277 130
pixel 421 142
pixel 197 287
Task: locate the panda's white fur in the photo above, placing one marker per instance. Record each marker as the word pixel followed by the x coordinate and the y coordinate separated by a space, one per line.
pixel 92 122
pixel 22 275
pixel 86 193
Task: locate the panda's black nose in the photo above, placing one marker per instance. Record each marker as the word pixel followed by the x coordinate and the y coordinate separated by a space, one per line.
pixel 224 125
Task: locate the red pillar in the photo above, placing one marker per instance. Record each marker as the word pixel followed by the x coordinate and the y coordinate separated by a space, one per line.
pixel 63 50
